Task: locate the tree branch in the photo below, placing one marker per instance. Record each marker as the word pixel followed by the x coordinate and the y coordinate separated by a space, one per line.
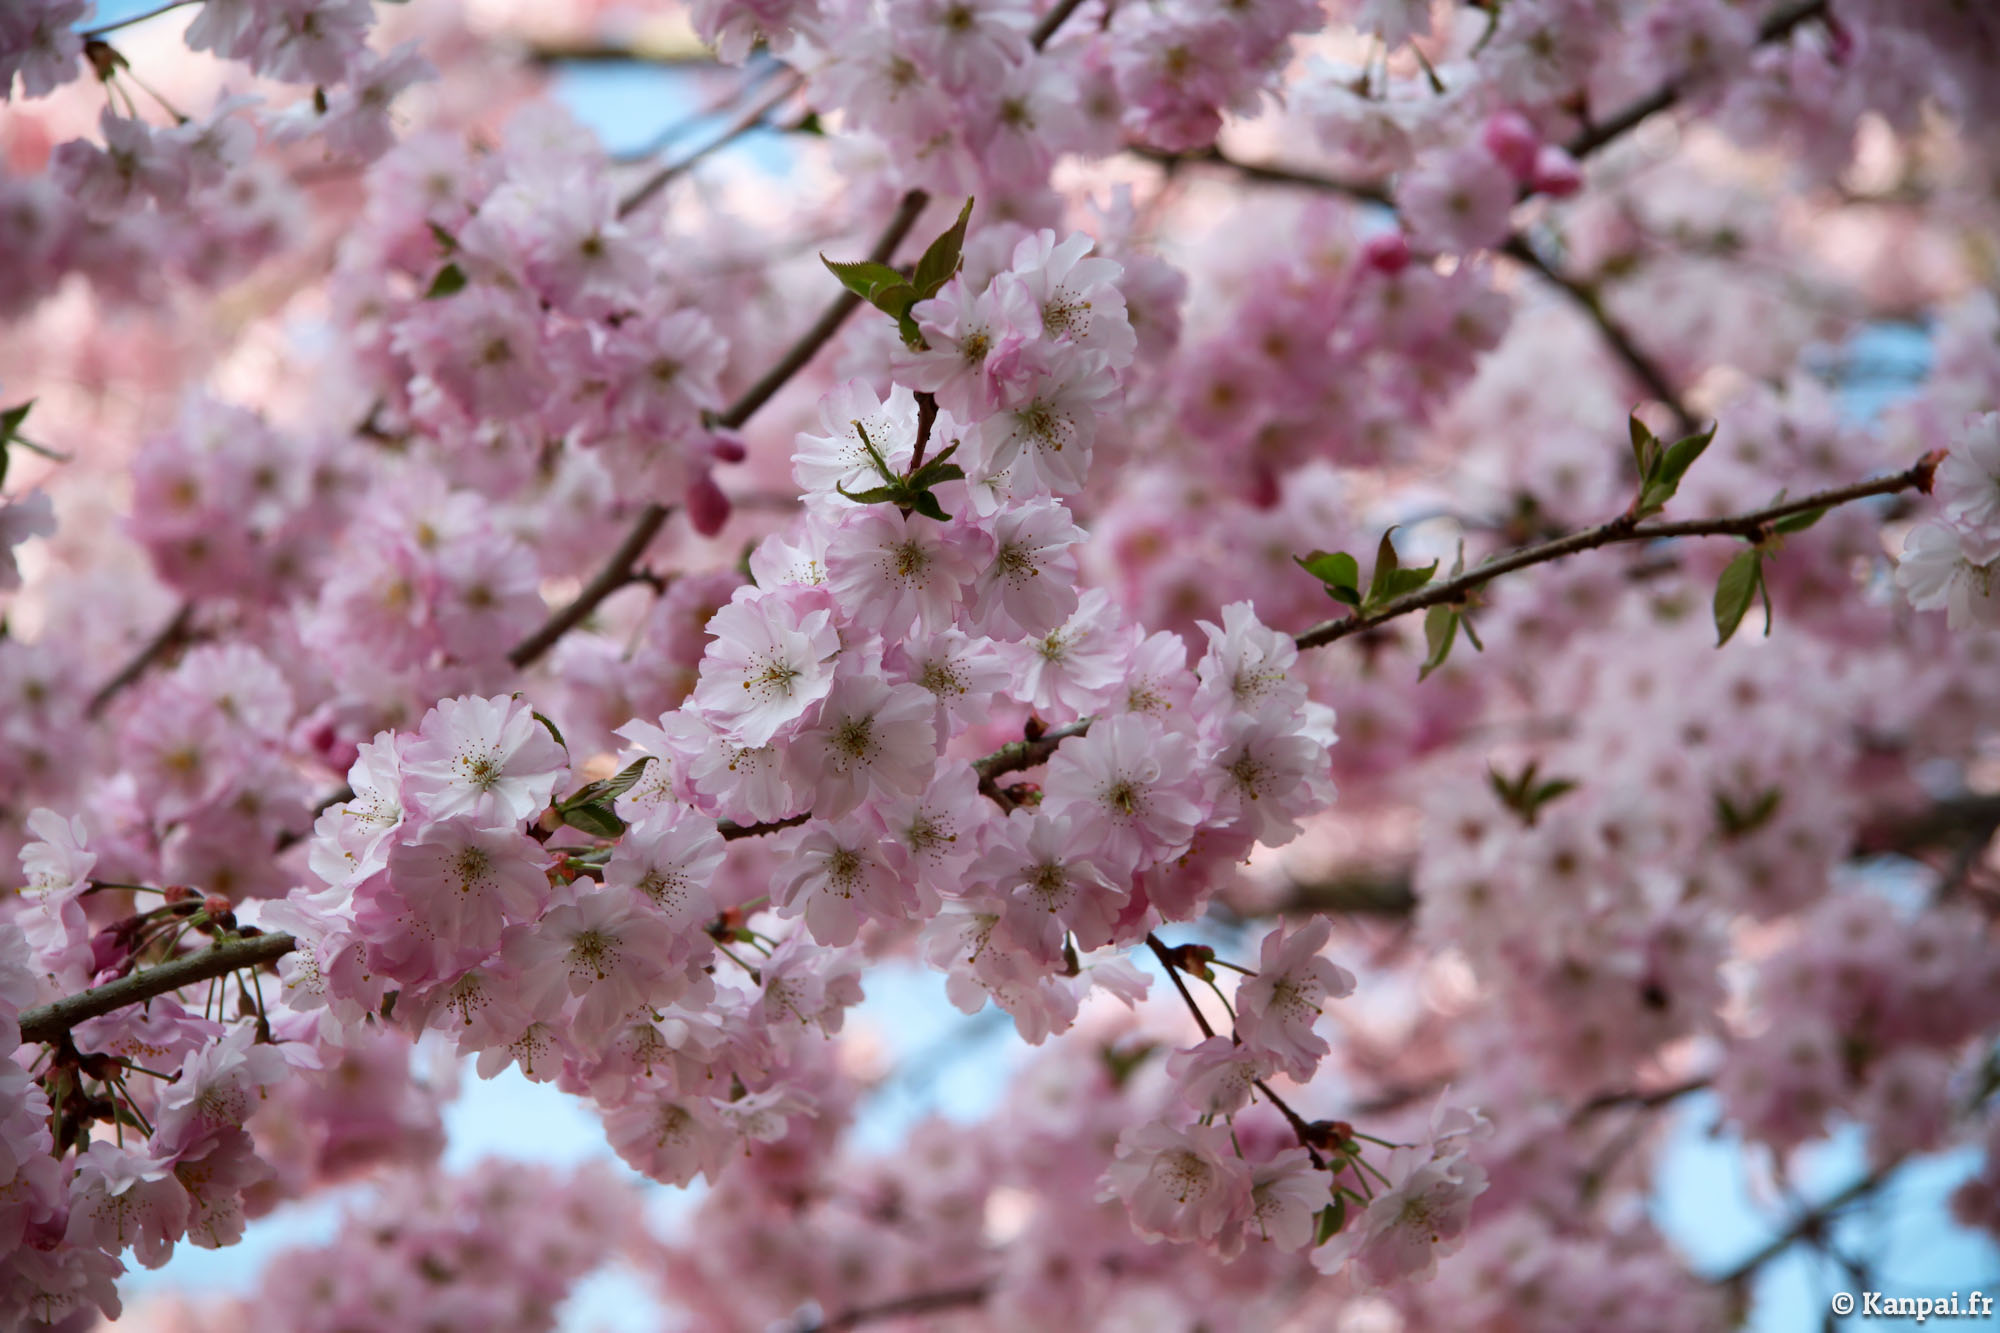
pixel 923 1302
pixel 171 636
pixel 1752 526
pixel 48 1021
pixel 746 121
pixel 1622 122
pixel 1810 1225
pixel 617 571
pixel 1051 21
pixel 1615 335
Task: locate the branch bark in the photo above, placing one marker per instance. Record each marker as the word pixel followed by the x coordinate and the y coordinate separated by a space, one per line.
pixel 923 1302
pixel 616 572
pixel 1751 526
pixel 171 636
pixel 48 1021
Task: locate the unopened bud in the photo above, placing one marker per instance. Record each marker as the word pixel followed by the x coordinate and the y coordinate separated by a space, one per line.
pixel 1513 142
pixel 707 506
pixel 1556 173
pixel 1388 253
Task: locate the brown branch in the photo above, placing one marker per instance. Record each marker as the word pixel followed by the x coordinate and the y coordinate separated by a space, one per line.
pixel 1615 335
pixel 1810 1225
pixel 48 1021
pixel 923 1302
pixel 1624 121
pixel 1753 526
pixel 1051 21
pixel 171 636
pixel 1026 753
pixel 1359 894
pixel 742 125
pixel 617 571
pixel 1645 1101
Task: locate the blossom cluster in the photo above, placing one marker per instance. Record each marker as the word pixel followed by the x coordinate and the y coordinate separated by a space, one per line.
pixel 686 658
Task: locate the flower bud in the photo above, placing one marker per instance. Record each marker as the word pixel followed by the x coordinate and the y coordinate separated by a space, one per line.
pixel 707 506
pixel 1513 143
pixel 1556 173
pixel 1388 253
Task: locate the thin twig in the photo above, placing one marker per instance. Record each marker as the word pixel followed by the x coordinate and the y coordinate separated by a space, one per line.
pixel 99 31
pixel 1052 20
pixel 1752 526
pixel 617 571
pixel 1810 1225
pixel 923 1302
pixel 1615 335
pixel 742 125
pixel 1623 121
pixel 171 636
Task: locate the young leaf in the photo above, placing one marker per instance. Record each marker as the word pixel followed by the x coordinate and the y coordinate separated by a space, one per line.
pixel 874 495
pixel 1734 592
pixel 1440 631
pixel 606 790
pixel 865 278
pixel 446 241
pixel 1799 522
pixel 1402 581
pixel 450 280
pixel 923 502
pixel 1645 446
pixel 875 456
pixel 941 259
pixel 554 730
pixel 11 419
pixel 1336 569
pixel 1386 565
pixel 1681 454
pixel 600 821
pixel 1330 1219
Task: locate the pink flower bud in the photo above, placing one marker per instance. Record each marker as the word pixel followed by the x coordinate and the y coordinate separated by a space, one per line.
pixel 1388 253
pixel 1512 141
pixel 1556 173
pixel 707 506
pixel 727 447
pixel 216 905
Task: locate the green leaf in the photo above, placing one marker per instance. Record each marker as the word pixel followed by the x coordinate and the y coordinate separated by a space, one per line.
pixel 11 419
pixel 446 241
pixel 1734 592
pixel 1440 631
pixel 1330 1220
pixel 1664 480
pixel 1386 565
pixel 1121 1065
pixel 865 278
pixel 875 456
pixel 450 280
pixel 1741 822
pixel 1471 634
pixel 1645 446
pixel 1681 454
pixel 941 258
pixel 600 821
pixel 1401 582
pixel 606 790
pixel 874 495
pixel 936 474
pixel 1336 569
pixel 923 502
pixel 554 730
pixel 1799 522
